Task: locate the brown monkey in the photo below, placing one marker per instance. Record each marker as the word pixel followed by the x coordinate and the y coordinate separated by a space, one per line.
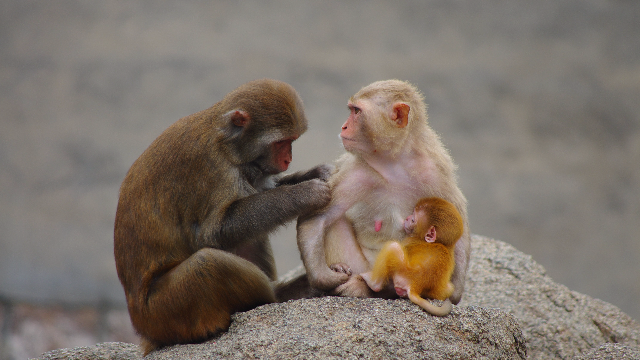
pixel 421 265
pixel 195 210
pixel 393 159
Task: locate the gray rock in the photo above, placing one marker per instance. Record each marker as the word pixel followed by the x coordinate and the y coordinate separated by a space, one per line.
pixel 342 328
pixel 511 308
pixel 611 351
pixel 332 327
pixel 558 323
pixel 109 350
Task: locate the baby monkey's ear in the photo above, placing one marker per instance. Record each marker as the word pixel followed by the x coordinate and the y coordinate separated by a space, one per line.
pixel 430 236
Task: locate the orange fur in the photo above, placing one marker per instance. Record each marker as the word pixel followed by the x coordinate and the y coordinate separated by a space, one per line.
pixel 417 268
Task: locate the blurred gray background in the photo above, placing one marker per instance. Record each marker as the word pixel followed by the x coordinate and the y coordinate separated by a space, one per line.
pixel 538 102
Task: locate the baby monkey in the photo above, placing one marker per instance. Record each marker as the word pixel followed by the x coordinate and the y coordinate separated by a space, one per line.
pixel 421 265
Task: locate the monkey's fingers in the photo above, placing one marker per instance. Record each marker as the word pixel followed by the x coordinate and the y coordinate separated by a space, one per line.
pixel 327 280
pixel 315 192
pixel 341 267
pixel 324 171
pixel 354 287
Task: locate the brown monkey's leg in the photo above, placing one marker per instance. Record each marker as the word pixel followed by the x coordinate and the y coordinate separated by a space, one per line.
pixel 196 299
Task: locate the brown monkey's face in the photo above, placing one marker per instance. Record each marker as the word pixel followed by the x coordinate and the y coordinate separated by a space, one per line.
pixel 277 156
pixel 282 155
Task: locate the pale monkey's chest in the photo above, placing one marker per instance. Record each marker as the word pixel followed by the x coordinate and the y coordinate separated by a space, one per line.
pixel 380 218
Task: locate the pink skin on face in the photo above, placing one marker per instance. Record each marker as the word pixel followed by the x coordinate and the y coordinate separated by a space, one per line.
pixel 353 128
pixel 410 223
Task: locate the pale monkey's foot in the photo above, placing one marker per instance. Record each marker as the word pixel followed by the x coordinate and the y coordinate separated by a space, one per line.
pixel 373 285
pixel 354 287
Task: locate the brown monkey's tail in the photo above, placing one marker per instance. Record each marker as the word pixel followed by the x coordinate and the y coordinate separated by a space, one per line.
pixel 442 310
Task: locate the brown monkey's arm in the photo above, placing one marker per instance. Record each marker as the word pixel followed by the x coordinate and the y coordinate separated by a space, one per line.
pixel 246 217
pixel 322 172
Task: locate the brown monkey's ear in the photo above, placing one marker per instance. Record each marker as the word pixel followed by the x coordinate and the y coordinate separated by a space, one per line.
pixel 400 114
pixel 239 118
pixel 430 236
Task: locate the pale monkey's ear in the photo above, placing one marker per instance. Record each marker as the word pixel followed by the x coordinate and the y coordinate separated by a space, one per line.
pixel 430 236
pixel 400 114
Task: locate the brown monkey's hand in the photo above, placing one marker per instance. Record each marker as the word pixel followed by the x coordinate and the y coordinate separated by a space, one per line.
pixel 315 193
pixel 341 268
pixel 354 287
pixel 322 172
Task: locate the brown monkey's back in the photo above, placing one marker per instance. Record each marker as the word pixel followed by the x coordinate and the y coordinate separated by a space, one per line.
pixel 152 231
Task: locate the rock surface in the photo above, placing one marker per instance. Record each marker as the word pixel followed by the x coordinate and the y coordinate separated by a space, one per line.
pixel 511 309
pixel 611 352
pixel 342 328
pixel 558 323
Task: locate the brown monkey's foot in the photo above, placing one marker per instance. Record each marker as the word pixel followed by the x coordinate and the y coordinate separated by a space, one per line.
pixel 341 268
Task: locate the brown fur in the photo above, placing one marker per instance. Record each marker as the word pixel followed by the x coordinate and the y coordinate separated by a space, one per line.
pixel 195 210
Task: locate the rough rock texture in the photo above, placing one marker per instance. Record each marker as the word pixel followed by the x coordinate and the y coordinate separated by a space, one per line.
pixel 611 352
pixel 509 302
pixel 342 328
pixel 557 322
pixel 108 350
